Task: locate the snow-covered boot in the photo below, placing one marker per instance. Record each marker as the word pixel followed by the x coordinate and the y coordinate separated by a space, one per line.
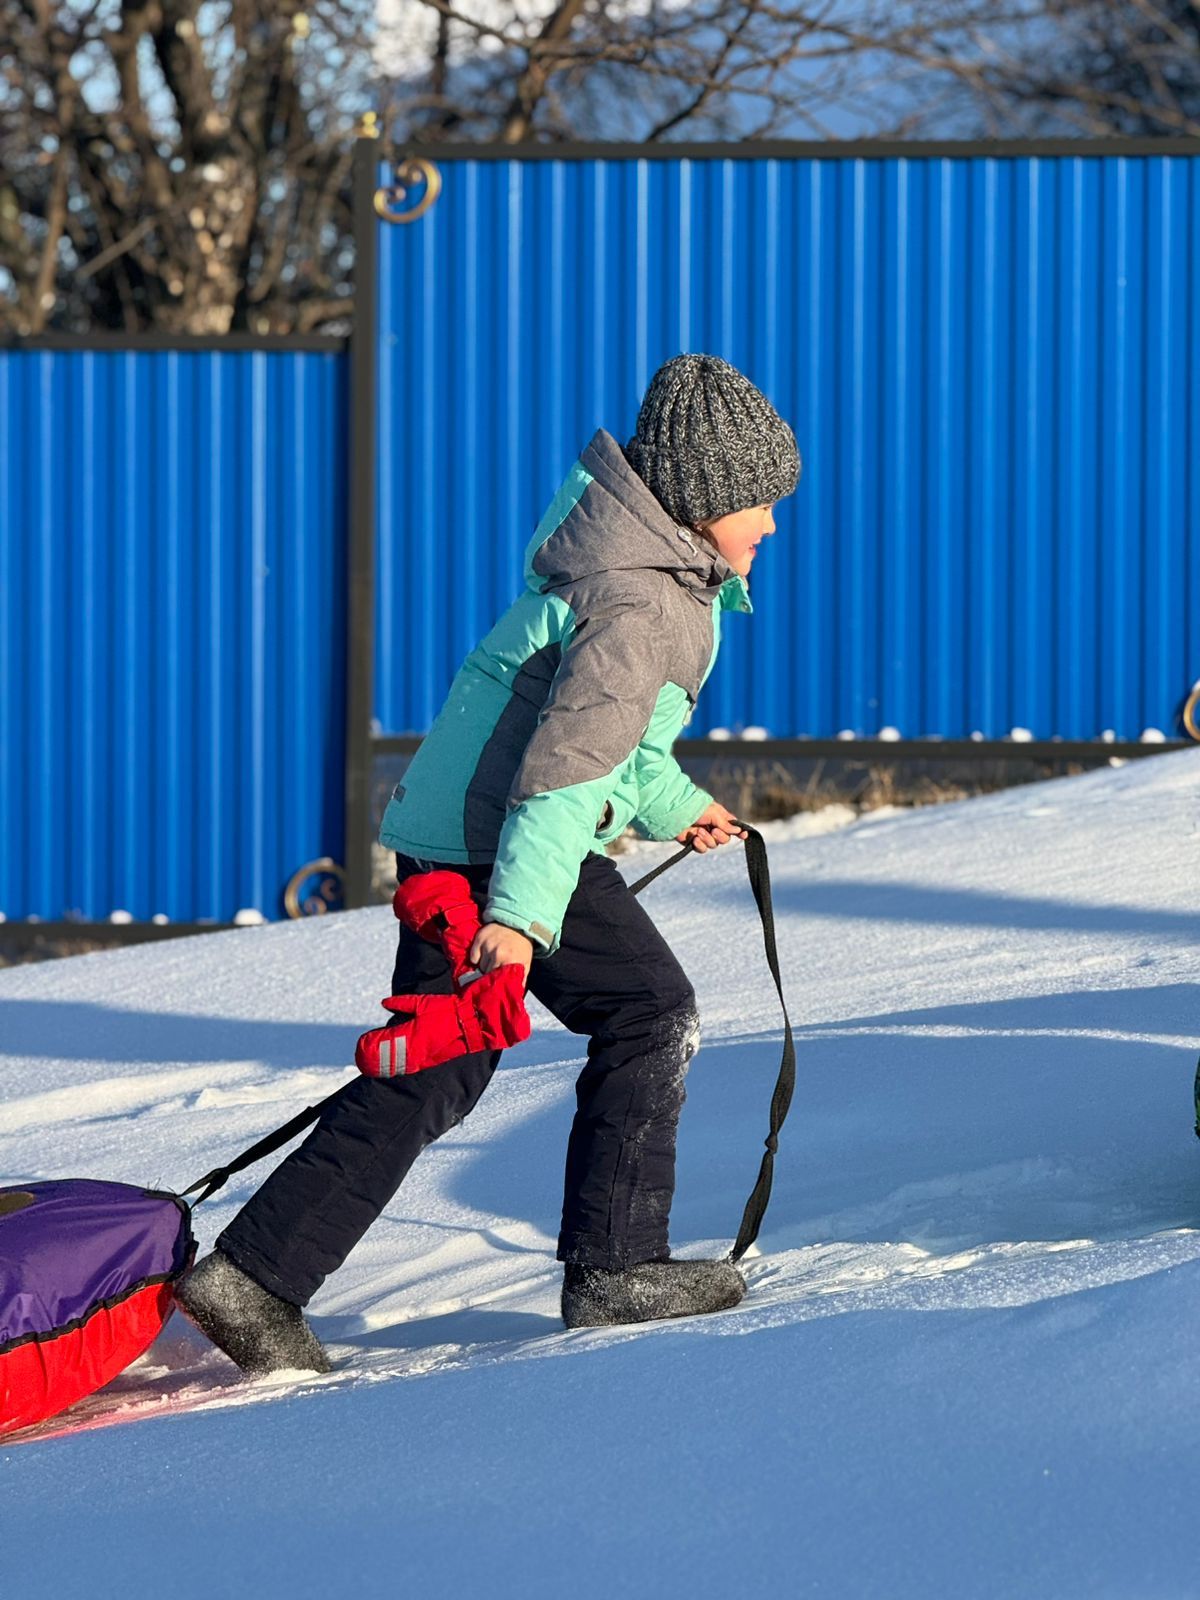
pixel 255 1328
pixel 593 1298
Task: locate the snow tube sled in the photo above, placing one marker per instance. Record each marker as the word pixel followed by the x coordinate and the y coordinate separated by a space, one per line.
pixel 87 1271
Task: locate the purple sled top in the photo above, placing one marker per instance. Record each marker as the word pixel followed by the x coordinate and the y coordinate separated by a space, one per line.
pixel 78 1243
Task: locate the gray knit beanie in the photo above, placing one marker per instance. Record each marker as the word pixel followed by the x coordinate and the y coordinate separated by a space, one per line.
pixel 708 442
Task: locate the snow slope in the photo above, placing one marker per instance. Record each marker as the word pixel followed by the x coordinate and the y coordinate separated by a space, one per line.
pixel 968 1365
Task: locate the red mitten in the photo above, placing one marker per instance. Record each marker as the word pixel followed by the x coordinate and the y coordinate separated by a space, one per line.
pixel 429 1034
pixel 490 1015
pixel 438 906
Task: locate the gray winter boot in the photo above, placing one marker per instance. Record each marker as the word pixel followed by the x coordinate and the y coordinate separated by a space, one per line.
pixel 592 1298
pixel 255 1328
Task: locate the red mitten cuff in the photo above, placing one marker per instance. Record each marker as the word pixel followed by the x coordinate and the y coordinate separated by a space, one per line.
pixel 497 1005
pixel 439 907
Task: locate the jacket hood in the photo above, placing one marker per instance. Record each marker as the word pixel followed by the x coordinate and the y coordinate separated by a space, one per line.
pixel 605 519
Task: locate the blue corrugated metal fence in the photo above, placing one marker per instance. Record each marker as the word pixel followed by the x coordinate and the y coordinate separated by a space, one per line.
pixel 172 633
pixel 991 364
pixel 992 367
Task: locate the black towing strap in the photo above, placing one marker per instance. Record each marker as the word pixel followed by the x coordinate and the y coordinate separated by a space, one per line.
pixel 781 1099
pixel 785 1084
pixel 220 1176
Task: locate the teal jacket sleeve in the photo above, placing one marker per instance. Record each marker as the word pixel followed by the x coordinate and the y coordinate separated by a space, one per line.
pixel 668 800
pixel 602 697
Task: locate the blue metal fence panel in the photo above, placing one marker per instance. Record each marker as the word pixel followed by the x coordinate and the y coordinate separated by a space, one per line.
pixel 992 367
pixel 172 634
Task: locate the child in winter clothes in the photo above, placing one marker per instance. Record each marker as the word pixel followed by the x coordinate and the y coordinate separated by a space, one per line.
pixel 556 735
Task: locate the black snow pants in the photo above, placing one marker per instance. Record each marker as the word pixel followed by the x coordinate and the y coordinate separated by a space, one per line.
pixel 613 979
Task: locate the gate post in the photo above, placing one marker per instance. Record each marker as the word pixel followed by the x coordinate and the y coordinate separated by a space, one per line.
pixel 360 621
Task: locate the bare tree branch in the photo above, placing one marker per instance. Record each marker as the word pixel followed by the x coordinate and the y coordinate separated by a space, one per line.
pixel 1088 67
pixel 56 211
pixel 706 90
pixel 196 175
pixel 531 85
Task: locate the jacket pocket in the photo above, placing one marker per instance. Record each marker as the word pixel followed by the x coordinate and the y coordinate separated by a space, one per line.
pixel 618 813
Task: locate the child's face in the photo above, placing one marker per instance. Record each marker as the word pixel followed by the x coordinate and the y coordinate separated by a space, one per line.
pixel 737 535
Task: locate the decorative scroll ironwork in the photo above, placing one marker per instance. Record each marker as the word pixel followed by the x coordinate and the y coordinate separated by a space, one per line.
pixel 392 203
pixel 315 888
pixel 1191 711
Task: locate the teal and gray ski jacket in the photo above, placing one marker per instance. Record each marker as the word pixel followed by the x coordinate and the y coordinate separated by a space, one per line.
pixel 557 731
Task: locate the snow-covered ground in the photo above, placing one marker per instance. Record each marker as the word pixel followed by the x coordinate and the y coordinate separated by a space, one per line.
pixel 969 1363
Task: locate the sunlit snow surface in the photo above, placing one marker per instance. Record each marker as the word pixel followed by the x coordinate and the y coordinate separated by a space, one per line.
pixel 968 1362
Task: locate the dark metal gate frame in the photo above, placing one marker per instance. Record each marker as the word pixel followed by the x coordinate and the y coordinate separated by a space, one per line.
pixel 371 204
